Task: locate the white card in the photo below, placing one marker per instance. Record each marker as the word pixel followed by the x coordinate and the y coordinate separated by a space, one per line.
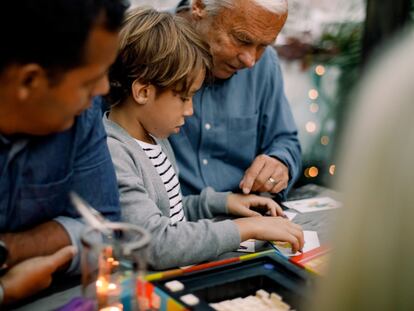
pixel 311 242
pixel 247 246
pixel 313 204
pixel 290 215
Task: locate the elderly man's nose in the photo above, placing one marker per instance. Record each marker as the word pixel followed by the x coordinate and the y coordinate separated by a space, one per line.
pixel 248 58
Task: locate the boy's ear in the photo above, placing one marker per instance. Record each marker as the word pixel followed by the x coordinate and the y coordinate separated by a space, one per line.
pixel 198 10
pixel 141 93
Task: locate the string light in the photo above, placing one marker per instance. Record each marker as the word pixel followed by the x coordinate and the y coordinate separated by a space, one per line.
pixel 313 94
pixel 320 70
pixel 325 140
pixel 314 107
pixel 311 172
pixel 310 127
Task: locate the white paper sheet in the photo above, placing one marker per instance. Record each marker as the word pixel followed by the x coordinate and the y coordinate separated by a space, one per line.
pixel 290 215
pixel 313 204
pixel 311 242
pixel 247 246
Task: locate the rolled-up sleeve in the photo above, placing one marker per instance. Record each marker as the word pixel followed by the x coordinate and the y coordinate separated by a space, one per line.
pixel 74 228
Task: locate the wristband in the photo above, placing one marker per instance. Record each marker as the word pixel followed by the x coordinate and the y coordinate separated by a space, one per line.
pixel 1 294
pixel 3 253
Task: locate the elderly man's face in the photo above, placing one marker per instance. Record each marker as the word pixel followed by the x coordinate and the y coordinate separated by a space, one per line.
pixel 238 36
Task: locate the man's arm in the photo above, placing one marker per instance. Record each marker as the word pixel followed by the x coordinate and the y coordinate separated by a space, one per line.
pixel 41 240
pixel 93 179
pixel 278 165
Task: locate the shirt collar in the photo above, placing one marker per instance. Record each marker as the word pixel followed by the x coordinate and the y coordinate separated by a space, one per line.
pixel 4 140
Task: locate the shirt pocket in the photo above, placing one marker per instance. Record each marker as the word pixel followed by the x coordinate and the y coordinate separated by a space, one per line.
pixel 38 203
pixel 242 139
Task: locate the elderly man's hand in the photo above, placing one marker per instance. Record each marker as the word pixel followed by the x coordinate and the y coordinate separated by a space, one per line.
pixel 266 174
pixel 32 275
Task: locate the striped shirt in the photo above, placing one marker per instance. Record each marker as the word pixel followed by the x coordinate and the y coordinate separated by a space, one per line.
pixel 168 176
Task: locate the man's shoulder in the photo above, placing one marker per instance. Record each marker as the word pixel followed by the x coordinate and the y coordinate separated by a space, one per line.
pixel 83 136
pixel 87 131
pixel 90 117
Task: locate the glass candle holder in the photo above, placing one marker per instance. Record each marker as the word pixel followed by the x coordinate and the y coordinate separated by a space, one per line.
pixel 114 266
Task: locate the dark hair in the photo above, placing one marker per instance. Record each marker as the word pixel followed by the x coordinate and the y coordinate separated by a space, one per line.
pixel 53 33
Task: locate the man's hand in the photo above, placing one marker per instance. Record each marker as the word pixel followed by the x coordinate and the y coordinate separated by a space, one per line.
pixel 241 204
pixel 33 275
pixel 266 174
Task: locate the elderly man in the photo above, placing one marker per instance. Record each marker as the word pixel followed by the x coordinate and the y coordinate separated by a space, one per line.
pixel 242 134
pixel 54 58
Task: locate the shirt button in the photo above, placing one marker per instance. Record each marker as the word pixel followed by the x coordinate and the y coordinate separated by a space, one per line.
pixel 205 161
pixel 207 126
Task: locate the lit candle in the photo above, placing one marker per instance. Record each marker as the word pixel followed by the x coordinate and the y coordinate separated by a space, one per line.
pixel 102 291
pixel 106 292
pixel 117 307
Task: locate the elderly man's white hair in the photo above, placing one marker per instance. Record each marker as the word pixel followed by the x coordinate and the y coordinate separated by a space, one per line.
pixel 276 6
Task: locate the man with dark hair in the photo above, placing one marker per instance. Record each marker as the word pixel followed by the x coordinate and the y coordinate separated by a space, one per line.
pixel 53 61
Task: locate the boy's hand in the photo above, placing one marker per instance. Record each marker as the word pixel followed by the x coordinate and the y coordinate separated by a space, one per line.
pixel 271 229
pixel 241 204
pixel 33 275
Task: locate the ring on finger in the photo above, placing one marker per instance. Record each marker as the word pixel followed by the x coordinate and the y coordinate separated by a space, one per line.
pixel 272 181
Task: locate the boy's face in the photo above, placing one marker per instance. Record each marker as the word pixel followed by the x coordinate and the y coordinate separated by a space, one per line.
pixel 166 112
pixel 48 107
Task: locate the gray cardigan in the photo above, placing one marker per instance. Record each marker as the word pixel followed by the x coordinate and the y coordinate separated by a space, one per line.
pixel 144 202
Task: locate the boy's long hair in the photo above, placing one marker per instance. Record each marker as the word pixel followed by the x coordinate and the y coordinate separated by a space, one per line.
pixel 159 49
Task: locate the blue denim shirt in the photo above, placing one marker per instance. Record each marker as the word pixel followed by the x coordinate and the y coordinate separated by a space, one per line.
pixel 234 121
pixel 36 174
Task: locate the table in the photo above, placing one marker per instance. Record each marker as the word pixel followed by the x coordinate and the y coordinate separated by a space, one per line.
pixel 63 291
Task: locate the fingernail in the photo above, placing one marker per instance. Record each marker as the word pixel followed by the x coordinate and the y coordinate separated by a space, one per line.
pixel 284 216
pixel 246 190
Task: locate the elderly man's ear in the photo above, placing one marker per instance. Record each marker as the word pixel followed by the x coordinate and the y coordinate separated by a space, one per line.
pixel 198 10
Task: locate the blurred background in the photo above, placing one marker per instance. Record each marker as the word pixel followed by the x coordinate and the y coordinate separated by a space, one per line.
pixel 324 48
